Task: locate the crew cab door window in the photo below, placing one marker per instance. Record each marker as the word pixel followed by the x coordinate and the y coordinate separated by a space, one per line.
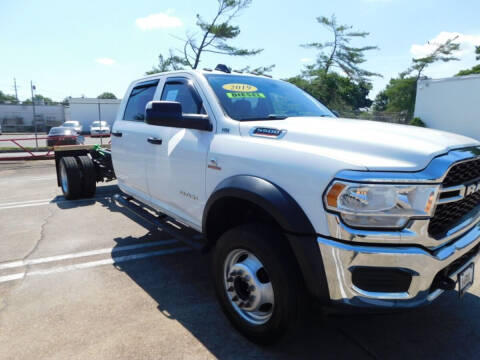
pixel 130 141
pixel 139 97
pixel 183 93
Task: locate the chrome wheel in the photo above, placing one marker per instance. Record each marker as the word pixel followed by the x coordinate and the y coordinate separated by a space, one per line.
pixel 63 179
pixel 248 287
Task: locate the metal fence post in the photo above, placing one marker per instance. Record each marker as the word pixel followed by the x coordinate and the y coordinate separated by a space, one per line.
pixel 34 117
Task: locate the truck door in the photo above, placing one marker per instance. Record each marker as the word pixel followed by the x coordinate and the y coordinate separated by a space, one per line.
pixel 181 165
pixel 130 141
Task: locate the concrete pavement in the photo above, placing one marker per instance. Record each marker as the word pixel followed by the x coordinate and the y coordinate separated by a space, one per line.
pixel 83 280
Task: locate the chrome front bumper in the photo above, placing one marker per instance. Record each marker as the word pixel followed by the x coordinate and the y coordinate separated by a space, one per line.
pixel 339 257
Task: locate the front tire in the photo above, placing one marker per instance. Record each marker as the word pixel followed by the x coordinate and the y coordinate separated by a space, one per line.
pixel 258 282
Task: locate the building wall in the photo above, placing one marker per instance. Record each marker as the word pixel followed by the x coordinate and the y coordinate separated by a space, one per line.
pixel 451 104
pixel 87 111
pixel 20 117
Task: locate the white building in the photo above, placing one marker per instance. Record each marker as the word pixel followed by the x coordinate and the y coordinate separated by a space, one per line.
pixel 450 104
pixel 87 110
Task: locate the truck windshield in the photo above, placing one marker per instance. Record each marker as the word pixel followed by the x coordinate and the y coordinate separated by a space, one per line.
pixel 249 98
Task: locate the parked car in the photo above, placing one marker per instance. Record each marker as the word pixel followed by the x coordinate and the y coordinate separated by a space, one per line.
pixel 290 200
pixel 63 136
pixel 72 124
pixel 0 129
pixel 99 129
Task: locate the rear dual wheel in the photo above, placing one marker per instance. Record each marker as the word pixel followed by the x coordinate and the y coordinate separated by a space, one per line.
pixel 77 177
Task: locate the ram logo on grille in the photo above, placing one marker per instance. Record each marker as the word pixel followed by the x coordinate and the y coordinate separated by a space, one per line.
pixel 470 189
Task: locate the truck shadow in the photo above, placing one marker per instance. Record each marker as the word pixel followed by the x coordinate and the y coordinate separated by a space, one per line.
pixel 102 195
pixel 180 284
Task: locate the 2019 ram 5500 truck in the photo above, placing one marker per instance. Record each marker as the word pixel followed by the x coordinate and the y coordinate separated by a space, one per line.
pixel 290 200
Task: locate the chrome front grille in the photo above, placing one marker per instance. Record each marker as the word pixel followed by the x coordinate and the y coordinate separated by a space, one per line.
pixel 462 173
pixel 447 216
pixel 451 214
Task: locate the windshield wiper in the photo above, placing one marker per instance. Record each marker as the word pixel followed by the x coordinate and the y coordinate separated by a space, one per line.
pixel 268 117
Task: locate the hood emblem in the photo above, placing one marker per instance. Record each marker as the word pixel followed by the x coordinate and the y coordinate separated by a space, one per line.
pixel 268 132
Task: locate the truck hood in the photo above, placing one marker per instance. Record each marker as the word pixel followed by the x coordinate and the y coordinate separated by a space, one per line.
pixel 364 144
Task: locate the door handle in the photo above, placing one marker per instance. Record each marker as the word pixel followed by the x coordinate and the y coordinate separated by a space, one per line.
pixel 155 141
pixel 117 134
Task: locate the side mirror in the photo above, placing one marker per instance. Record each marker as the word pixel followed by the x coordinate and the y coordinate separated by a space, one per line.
pixel 169 113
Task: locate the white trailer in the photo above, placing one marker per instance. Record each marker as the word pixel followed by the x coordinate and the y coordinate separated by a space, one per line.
pixel 450 104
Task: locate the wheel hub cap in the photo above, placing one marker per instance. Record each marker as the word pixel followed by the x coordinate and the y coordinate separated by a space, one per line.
pixel 248 287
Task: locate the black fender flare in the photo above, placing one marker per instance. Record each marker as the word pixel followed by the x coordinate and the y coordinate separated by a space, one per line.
pixel 270 197
pixel 298 229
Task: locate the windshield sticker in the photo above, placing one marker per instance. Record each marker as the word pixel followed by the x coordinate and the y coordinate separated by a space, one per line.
pixel 238 95
pixel 240 87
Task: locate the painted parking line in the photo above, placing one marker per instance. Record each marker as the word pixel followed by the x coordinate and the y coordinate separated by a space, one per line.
pixel 17 179
pixel 19 263
pixel 92 264
pixel 41 202
pixel 24 202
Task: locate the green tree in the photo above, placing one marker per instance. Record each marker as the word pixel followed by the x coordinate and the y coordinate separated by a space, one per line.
pixel 4 98
pixel 398 96
pixel 172 62
pixel 39 99
pixel 339 53
pixel 442 52
pixel 400 93
pixel 473 70
pixel 261 70
pixel 214 37
pixel 106 95
pixel 336 91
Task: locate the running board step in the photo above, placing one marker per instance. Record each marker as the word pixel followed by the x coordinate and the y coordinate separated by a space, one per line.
pixel 170 226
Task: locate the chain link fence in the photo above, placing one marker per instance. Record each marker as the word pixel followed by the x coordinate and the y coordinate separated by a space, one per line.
pixel 395 118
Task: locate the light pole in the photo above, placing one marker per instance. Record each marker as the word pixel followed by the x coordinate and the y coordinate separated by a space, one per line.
pixel 32 87
pixel 100 119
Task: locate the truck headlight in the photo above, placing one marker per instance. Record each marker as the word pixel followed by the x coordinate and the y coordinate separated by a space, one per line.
pixel 380 205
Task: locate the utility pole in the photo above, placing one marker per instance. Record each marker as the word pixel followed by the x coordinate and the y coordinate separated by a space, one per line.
pixel 32 87
pixel 100 119
pixel 15 87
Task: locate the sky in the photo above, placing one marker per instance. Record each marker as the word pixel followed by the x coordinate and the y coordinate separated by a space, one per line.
pixel 75 48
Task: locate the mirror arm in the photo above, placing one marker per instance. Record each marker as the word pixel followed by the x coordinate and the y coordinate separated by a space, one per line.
pixel 192 121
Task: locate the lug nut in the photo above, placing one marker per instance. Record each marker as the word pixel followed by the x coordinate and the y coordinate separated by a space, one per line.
pixel 251 298
pixel 240 304
pixel 230 289
pixel 246 278
pixel 235 298
pixel 230 279
pixel 252 288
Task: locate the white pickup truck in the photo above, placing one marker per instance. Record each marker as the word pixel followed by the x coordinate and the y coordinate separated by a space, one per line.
pixel 292 202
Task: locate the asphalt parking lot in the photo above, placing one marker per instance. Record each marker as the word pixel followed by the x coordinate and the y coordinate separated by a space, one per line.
pixel 83 280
